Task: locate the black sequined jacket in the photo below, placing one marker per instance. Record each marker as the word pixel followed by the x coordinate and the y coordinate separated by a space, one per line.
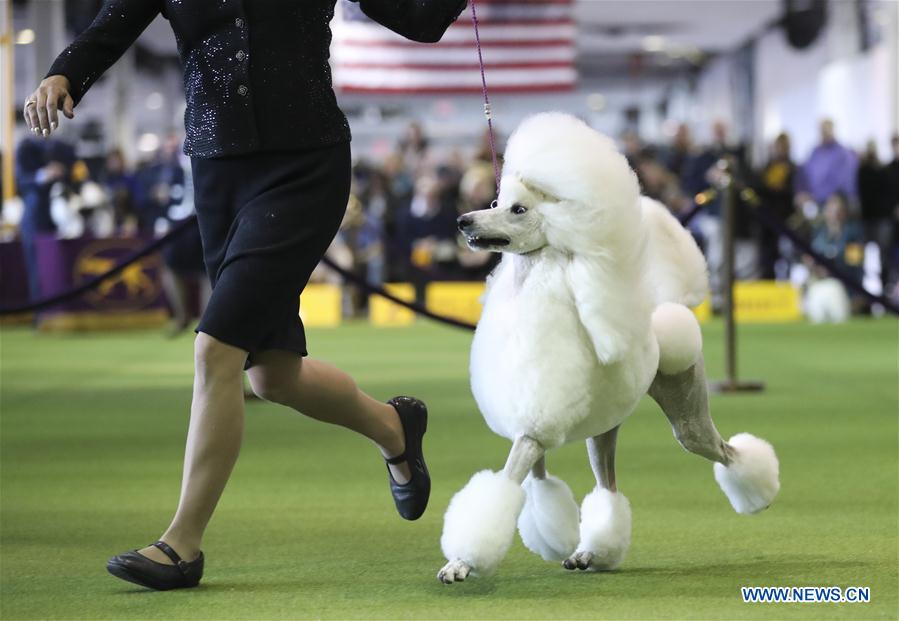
pixel 256 73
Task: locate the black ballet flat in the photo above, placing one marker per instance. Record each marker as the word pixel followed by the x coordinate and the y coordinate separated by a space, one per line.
pixel 411 498
pixel 137 568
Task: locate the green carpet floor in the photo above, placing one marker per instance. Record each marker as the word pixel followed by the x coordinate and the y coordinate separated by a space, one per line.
pixel 92 437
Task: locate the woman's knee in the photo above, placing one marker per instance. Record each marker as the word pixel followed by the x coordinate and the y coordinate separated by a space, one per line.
pixel 214 358
pixel 269 384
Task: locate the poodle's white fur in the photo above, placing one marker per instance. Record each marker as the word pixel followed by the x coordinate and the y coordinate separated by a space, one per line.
pixel 583 315
pixel 752 480
pixel 548 525
pixel 605 529
pixel 480 520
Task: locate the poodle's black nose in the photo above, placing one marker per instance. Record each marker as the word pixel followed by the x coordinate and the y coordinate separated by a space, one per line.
pixel 464 222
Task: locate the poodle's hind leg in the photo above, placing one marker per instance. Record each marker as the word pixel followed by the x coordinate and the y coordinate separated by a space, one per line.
pixel 548 525
pixel 605 530
pixel 479 524
pixel 746 467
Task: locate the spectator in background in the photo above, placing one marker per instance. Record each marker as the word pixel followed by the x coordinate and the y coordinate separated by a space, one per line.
pixel 657 181
pixel 40 164
pixel 875 212
pixel 413 148
pixel 631 147
pixel 432 225
pixel 699 174
pixel 830 168
pixel 184 268
pixel 891 190
pixel 775 188
pixel 680 152
pixel 118 181
pixel 838 238
pixel 159 185
pixel 377 211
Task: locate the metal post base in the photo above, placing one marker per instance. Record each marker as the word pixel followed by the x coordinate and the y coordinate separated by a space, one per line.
pixel 728 386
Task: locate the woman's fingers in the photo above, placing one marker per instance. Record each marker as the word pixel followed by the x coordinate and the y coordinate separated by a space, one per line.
pixel 43 121
pixel 42 107
pixel 53 96
pixel 29 108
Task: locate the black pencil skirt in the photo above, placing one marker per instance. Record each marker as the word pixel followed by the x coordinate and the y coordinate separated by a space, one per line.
pixel 266 220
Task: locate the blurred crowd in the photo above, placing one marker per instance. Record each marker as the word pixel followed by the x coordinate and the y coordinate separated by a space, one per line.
pixel 400 223
pixel 846 204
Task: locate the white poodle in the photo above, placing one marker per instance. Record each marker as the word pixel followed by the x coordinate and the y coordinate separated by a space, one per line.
pixel 586 313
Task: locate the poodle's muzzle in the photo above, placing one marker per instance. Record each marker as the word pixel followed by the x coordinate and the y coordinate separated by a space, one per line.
pixel 475 239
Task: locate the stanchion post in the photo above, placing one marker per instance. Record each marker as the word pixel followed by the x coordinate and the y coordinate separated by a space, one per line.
pixel 727 191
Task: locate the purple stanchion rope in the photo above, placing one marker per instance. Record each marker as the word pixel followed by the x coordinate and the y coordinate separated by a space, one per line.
pixel 487 113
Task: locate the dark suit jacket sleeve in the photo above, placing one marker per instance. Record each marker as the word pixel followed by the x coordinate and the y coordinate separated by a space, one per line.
pixel 419 20
pixel 116 27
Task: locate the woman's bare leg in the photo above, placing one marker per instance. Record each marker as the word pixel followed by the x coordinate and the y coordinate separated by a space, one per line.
pixel 213 442
pixel 326 393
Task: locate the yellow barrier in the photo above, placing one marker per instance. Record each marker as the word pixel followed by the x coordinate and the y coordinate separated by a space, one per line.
pixel 755 301
pixel 459 300
pixel 766 301
pixel 383 312
pixel 320 306
pixel 703 312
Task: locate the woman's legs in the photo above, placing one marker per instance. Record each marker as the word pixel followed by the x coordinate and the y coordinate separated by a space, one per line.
pixel 326 393
pixel 213 442
pixel 217 416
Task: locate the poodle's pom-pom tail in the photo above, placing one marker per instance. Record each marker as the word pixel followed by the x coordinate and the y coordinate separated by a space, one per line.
pixel 548 525
pixel 605 528
pixel 680 340
pixel 479 524
pixel 752 480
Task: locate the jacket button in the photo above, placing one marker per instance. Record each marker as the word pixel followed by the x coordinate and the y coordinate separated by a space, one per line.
pixel 242 89
pixel 239 22
pixel 240 55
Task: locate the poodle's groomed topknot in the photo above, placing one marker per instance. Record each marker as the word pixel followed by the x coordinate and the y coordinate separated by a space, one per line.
pixel 562 155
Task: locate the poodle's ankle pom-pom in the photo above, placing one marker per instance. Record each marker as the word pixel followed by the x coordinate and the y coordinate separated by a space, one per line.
pixel 548 525
pixel 751 481
pixel 479 524
pixel 680 340
pixel 605 528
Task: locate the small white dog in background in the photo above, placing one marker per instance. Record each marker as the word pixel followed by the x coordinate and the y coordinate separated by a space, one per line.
pixel 586 313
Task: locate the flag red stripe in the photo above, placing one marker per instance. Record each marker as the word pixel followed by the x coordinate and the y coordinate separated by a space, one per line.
pixel 521 2
pixel 484 44
pixel 445 90
pixel 551 64
pixel 560 21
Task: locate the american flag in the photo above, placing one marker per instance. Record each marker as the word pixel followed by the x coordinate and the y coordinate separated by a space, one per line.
pixel 528 46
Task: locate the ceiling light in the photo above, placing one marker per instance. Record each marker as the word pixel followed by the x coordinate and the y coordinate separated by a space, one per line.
pixel 653 43
pixel 147 143
pixel 24 37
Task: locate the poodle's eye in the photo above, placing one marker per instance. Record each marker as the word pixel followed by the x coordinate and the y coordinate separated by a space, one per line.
pixel 519 209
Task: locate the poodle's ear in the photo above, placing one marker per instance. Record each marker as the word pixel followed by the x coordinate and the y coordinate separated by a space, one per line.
pixel 610 322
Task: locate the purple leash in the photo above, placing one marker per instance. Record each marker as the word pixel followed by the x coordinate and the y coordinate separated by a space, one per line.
pixel 477 38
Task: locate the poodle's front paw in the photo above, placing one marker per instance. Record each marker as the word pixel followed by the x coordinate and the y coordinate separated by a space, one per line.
pixel 579 560
pixel 454 571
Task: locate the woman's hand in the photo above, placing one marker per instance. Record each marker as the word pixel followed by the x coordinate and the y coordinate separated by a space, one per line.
pixel 42 105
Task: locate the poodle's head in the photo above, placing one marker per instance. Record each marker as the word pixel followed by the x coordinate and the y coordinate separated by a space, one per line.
pixel 564 186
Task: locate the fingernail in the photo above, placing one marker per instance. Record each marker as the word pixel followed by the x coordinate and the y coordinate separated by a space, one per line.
pixel 46 133
pixel 53 124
